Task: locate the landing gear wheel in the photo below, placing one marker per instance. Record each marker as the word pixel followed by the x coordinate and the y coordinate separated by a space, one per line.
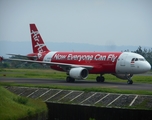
pixel 100 79
pixel 72 80
pixel 69 79
pixel 129 82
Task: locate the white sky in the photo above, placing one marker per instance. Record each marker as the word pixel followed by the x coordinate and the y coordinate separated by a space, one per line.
pixel 100 22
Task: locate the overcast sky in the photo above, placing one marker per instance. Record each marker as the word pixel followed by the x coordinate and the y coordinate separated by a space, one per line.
pixel 100 22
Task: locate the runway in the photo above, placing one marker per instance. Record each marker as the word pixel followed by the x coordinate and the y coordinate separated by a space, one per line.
pixel 84 83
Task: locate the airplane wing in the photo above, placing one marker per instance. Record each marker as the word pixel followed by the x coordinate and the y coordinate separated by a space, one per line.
pixel 49 63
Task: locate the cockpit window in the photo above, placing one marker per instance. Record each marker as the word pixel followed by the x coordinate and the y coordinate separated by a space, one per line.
pixel 133 59
pixel 138 59
pixel 141 59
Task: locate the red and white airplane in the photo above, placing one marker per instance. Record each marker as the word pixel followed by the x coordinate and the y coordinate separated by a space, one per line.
pixel 78 65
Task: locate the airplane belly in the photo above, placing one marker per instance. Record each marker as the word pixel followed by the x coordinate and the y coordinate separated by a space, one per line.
pixel 55 67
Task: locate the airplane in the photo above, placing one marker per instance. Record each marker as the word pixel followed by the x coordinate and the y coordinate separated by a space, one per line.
pixel 78 65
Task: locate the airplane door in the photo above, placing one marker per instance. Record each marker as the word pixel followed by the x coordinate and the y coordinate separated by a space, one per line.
pixel 121 65
pixel 122 60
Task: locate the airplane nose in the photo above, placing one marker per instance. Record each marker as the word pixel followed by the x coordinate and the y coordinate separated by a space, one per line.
pixel 147 67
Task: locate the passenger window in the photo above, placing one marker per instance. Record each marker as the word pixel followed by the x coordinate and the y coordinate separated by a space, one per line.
pixel 136 59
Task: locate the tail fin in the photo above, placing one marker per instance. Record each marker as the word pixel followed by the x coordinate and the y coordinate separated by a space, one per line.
pixel 37 41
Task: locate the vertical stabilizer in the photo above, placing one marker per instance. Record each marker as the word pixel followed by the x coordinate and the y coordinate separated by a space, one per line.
pixel 37 41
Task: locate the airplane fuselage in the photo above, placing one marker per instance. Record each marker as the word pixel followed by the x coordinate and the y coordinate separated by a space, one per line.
pixel 103 62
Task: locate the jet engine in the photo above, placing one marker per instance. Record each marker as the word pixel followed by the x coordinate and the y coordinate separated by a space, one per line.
pixel 78 73
pixel 123 76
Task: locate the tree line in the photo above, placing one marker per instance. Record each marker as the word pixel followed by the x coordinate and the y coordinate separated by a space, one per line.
pixel 146 53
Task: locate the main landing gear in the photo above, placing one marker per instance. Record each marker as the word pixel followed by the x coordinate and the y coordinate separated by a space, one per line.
pixel 100 78
pixel 70 79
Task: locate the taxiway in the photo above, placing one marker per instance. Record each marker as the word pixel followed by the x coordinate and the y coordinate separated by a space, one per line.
pixel 84 83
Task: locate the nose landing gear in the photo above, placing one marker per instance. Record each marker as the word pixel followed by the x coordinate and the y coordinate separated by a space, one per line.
pixel 129 79
pixel 129 82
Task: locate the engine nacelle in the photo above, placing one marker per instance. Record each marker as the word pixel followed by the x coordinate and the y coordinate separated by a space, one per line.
pixel 78 73
pixel 123 76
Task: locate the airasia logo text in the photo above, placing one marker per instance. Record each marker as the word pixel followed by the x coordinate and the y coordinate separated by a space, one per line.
pixel 36 39
pixel 97 57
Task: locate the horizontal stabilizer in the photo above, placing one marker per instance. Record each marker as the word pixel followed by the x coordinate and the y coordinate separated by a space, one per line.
pixel 25 56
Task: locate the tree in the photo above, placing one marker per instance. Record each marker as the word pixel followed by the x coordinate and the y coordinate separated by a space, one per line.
pixel 4 65
pixel 147 54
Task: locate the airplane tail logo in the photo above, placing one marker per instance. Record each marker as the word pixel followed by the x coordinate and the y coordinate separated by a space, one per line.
pixel 37 41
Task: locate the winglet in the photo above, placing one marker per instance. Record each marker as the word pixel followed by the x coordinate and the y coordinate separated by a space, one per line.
pixel 37 41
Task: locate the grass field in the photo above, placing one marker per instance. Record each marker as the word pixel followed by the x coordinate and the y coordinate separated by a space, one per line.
pixel 13 107
pixel 51 74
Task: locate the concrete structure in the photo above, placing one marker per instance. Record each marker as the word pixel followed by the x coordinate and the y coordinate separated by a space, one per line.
pixel 99 99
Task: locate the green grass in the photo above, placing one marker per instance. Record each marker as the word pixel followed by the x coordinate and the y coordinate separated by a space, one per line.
pixel 32 73
pixel 13 107
pixel 51 74
pixel 142 105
